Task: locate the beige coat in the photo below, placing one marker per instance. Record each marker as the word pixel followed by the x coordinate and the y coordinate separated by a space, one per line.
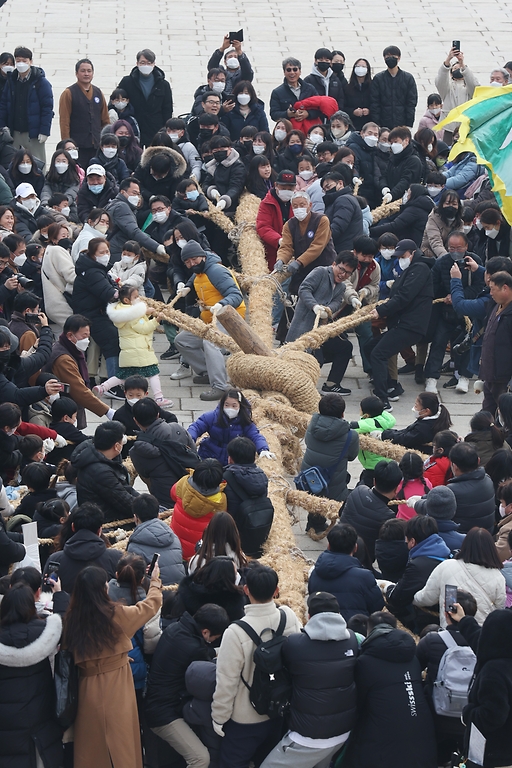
pixel 231 697
pixel 435 237
pixel 57 275
pixel 107 731
pixel 504 528
pixel 454 92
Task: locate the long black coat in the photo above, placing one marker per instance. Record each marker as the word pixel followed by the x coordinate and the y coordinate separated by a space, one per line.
pixel 11 547
pixel 393 99
pixel 27 694
pixel 82 549
pixel 402 170
pixel 93 289
pixel 410 302
pixel 395 727
pixel 474 492
pixel 358 97
pixel 365 164
pixel 191 596
pixel 409 222
pixel 152 113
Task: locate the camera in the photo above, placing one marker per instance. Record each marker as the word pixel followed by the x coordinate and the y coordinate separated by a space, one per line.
pixel 25 282
pixel 66 388
pixel 461 263
pixel 463 346
pixel 31 317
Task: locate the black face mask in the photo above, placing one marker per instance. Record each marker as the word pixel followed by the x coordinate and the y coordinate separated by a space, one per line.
pixel 66 243
pixel 330 196
pixel 391 62
pixel 206 133
pixel 337 68
pixel 457 74
pixel 450 211
pixel 123 141
pixel 198 268
pixel 221 155
pixel 323 66
pixel 5 355
pixel 207 158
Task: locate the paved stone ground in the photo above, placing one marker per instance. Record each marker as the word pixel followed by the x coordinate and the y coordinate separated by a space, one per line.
pixel 183 36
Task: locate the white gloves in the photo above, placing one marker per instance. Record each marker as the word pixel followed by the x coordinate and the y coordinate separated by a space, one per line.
pixel 180 287
pixel 267 455
pixel 161 250
pixel 221 205
pixel 217 727
pixel 355 302
pixel 110 414
pixel 363 293
pixel 385 585
pixel 280 241
pixel 48 445
pixel 478 387
pixel 387 198
pixel 60 441
pixel 389 283
pixel 120 534
pixel 376 434
pixel 385 190
pixel 411 501
pixel 356 180
pixel 216 308
pixel 184 292
pixel 319 310
pixel 214 194
pixel 42 138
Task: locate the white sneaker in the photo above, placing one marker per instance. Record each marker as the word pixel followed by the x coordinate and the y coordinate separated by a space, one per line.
pixel 182 373
pixel 431 386
pixel 462 385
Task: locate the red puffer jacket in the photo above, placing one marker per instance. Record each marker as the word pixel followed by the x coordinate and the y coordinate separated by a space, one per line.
pixel 437 469
pixel 193 511
pixel 269 226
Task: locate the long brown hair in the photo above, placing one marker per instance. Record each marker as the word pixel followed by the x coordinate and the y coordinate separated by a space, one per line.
pixel 89 626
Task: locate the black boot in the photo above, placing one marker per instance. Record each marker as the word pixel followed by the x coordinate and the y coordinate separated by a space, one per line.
pixel 419 374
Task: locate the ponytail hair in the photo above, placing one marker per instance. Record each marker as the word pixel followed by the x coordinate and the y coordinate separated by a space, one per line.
pixel 131 570
pixel 483 421
pixel 443 442
pixel 430 401
pixel 411 465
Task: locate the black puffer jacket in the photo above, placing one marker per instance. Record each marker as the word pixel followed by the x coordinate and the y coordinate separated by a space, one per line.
pixel 325 440
pixel 402 170
pixel 153 112
pixel 124 414
pixel 345 216
pixel 353 586
pixel 180 645
pixel 11 547
pixel 227 177
pixel 392 557
pixel 321 660
pixel 103 481
pixel 82 549
pixel 393 99
pixel 474 492
pixel 191 596
pixel 154 536
pixel 394 727
pixel 417 435
pixel 27 694
pixel 365 163
pixel 166 186
pixel 93 289
pixel 200 680
pixel 26 222
pixel 253 481
pixel 366 509
pixel 410 220
pixel 410 302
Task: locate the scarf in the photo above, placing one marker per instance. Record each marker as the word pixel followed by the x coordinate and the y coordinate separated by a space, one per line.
pixel 78 356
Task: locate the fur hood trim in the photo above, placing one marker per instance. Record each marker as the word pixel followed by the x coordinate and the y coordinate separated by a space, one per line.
pixel 180 164
pixel 125 313
pixel 45 645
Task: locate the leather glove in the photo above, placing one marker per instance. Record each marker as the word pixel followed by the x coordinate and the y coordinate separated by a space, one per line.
pixel 217 727
pixel 385 190
pixel 389 283
pixel 221 205
pixel 161 250
pixel 42 138
pixel 279 266
pixel 60 441
pixel 293 266
pixel 376 434
pixel 319 310
pixel 110 414
pixel 411 501
pixel 267 455
pixel 48 445
pixel 216 308
pixel 387 197
pixel 355 302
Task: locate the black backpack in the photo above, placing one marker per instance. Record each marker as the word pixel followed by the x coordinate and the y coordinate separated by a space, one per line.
pixel 271 689
pixel 255 517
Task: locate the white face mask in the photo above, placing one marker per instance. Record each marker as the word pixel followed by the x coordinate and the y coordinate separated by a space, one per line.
pixel 61 167
pixel 433 191
pixel 435 112
pixel 243 99
pixel 20 260
pixel 403 263
pixel 232 62
pixel 306 175
pixel 7 68
pixel 430 147
pixel 120 104
pixel 174 137
pixel 30 204
pixel 300 213
pixel 25 168
pixel 231 413
pixel 145 69
pixel 338 132
pixel 387 253
pixel 285 195
pixel 397 148
pixel 181 243
pixel 22 66
pixel 103 260
pixel 258 149
pixel 103 228
pixel 494 84
pixel 415 410
pixel 316 138
pixel 128 260
pixel 109 152
pixel 478 224
pixel 360 71
pixel 53 398
pixel 502 511
pixel 492 233
pixel 133 200
pixel 405 198
pixel 132 400
pixel 280 134
pixel 218 87
pixel 371 141
pixel 384 146
pixel 466 228
pixel 160 217
pixel 65 211
pixel 82 344
pixel 73 153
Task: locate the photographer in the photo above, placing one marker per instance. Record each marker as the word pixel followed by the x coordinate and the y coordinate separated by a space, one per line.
pixel 9 392
pixel 9 283
pixel 26 319
pixel 446 324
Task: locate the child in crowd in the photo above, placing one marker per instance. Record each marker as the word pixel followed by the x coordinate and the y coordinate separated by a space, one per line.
pixel 32 450
pixel 486 436
pixel 189 198
pixel 431 117
pixel 50 516
pixel 391 550
pixel 135 389
pixel 306 173
pixel 131 269
pixel 389 269
pixel 413 483
pixel 136 325
pixel 432 417
pixel 373 417
pixel 66 489
pixel 36 476
pixel 198 496
pixel 231 418
pixel 64 418
pixel 437 469
pixel 119 108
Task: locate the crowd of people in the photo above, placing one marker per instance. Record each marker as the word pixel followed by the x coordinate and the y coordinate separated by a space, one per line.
pixel 405 658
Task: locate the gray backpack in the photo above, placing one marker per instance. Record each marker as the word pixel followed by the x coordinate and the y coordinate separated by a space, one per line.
pixel 454 675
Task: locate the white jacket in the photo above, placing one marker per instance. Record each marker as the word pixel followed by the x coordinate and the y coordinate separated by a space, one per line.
pixel 83 239
pixel 57 275
pixel 231 697
pixel 193 159
pixel 454 92
pixel 134 275
pixel 487 585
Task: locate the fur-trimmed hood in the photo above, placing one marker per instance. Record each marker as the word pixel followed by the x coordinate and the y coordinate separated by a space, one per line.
pixel 211 165
pixel 124 313
pixel 180 164
pixel 39 649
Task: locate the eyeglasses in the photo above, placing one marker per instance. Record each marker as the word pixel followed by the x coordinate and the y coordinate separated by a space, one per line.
pixel 292 69
pixel 345 271
pixel 215 103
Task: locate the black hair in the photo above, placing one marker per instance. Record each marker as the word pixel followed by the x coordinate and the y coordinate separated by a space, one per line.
pixel 29 576
pixel 132 246
pixel 25 300
pixel 218 574
pixel 358 623
pixel 372 406
pixel 504 492
pixel 411 465
pixel 17 606
pixel 126 183
pixel 37 476
pixel 87 517
pixel 33 250
pixel 483 421
pixel 479 548
pixel 465 457
pixel 184 183
pixel 23 53
pixel 499 467
pixel 392 530
pixel 135 382
pixel 443 442
pixel 243 85
pixel 244 413
pixel 242 450
pixel 53 509
pixel 12 241
pixel 501 279
pixel 107 435
pixel 392 50
pixel 420 528
pixel 146 507
pixel 381 617
pixel 220 142
pixel 212 617
pixel 498 264
pixel 451 196
pixel 126 291
pixel 491 216
pixel 63 406
pixel 29 445
pixel 73 323
pixel 161 163
pixel 108 139
pixel 261 582
pixel 57 198
pixel 145 411
pixel 387 476
pixel 208 474
pixel 467 602
pixel 434 98
pixel 83 61
pixel 430 401
pixel 365 245
pixel 70 176
pixel 10 414
pixel 346 257
pixel 342 538
pixel 332 405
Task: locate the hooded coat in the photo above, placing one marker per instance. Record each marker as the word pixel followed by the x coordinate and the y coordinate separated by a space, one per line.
pixel 394 727
pixel 135 330
pixel 402 170
pixel 191 596
pixel 93 289
pixel 321 660
pixel 474 492
pixel 153 112
pixel 366 509
pixel 410 302
pixel 200 679
pixel 345 217
pixel 27 694
pixel 82 549
pixel 155 536
pixel 253 481
pixel 227 177
pixel 167 186
pixel 57 276
pixel 353 586
pixel 325 440
pixel 215 446
pixel 193 511
pixel 410 220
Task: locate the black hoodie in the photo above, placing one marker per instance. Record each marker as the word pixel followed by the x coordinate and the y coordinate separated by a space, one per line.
pixel 82 549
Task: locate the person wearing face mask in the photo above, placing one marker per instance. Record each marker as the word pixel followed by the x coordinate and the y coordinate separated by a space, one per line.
pixel 6 68
pixel 393 92
pixel 119 108
pixel 189 198
pixel 342 209
pixel 67 362
pixel 410 220
pixel 275 209
pixel 129 148
pixel 28 208
pixel 388 263
pixel 407 312
pixel 150 95
pixel 425 146
pixel 294 149
pixel 32 268
pixel 159 172
pixel 225 175
pixel 62 178
pixel 357 94
pixel 433 114
pixel 108 157
pixel 248 110
pixel 178 133
pixel 26 105
pixel 122 212
pixel 316 135
pixel 495 362
pixel 216 82
pixel 26 328
pixel 164 219
pixel 57 275
pixel 237 65
pixel 404 166
pixel 136 388
pixel 340 127
pixel 456 84
pixel 496 235
pixel 323 78
pixel 363 146
pixel 24 168
pixel 444 219
pixel 96 190
pixel 97 224
pixel 131 268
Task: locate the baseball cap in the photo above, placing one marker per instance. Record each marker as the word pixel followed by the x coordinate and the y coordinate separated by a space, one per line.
pixel 286 177
pixel 405 245
pixel 96 168
pixel 440 503
pixel 24 190
pixel 322 602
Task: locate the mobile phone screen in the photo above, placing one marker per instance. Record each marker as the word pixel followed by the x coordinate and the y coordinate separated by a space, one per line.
pixel 450 597
pixel 154 561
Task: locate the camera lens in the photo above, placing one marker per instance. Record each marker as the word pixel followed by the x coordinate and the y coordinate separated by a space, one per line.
pixel 25 282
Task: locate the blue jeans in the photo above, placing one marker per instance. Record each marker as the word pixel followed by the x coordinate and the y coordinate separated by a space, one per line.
pixel 112 364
